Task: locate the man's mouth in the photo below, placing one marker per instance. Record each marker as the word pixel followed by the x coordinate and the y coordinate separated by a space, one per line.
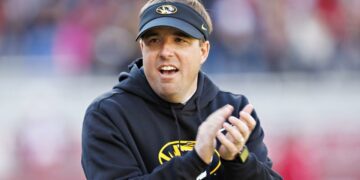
pixel 168 69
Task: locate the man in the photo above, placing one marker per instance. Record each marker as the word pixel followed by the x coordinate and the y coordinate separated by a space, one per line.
pixel 166 119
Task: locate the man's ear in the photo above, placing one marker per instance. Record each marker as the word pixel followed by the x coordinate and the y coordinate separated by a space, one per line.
pixel 141 43
pixel 205 49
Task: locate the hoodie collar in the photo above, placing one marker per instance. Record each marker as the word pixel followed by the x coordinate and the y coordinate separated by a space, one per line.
pixel 135 82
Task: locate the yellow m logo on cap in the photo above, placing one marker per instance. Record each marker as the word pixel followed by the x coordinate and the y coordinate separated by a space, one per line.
pixel 166 9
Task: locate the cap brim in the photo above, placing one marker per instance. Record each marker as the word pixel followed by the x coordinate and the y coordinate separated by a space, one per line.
pixel 174 23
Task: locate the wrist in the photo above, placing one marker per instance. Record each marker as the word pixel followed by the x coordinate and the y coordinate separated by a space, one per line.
pixel 240 157
pixel 203 156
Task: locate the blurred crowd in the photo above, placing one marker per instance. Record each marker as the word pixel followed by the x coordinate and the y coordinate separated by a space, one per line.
pixel 97 36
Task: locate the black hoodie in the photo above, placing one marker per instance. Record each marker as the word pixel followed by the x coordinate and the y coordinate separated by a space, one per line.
pixel 131 133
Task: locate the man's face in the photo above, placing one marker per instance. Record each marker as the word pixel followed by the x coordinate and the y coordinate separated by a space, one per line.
pixel 172 61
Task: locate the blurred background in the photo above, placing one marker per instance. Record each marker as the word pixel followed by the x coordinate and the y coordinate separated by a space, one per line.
pixel 297 61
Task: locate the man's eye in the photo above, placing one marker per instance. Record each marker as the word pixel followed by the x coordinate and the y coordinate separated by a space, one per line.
pixel 180 40
pixel 153 40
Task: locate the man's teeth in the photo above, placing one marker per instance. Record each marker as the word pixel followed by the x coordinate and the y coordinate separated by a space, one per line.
pixel 168 68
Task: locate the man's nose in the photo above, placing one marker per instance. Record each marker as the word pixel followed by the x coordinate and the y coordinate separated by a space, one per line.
pixel 167 49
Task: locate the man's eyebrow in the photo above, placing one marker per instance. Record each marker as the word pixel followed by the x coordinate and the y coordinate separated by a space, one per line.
pixel 181 34
pixel 154 33
pixel 149 34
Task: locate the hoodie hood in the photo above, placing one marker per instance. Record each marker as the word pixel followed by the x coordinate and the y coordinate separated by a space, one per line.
pixel 135 82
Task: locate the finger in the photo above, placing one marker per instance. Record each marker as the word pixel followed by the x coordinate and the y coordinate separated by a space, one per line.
pixel 226 142
pixel 248 120
pixel 207 130
pixel 217 118
pixel 241 127
pixel 224 112
pixel 245 115
pixel 248 108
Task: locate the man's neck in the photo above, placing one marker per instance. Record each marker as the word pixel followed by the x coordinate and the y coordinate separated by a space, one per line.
pixel 190 93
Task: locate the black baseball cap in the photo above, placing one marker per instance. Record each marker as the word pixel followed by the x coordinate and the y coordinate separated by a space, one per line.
pixel 176 15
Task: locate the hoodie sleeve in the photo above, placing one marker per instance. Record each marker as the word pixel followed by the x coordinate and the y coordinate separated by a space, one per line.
pixel 258 165
pixel 107 155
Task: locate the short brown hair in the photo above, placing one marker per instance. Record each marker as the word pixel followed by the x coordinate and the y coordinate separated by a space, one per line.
pixel 195 4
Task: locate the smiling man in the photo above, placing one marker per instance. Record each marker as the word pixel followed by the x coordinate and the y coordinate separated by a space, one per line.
pixel 166 119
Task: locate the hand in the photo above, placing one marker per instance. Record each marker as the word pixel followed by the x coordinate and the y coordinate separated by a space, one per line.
pixel 237 133
pixel 206 136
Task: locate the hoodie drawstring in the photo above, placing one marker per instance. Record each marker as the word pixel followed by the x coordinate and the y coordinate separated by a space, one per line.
pixel 177 126
pixel 198 113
